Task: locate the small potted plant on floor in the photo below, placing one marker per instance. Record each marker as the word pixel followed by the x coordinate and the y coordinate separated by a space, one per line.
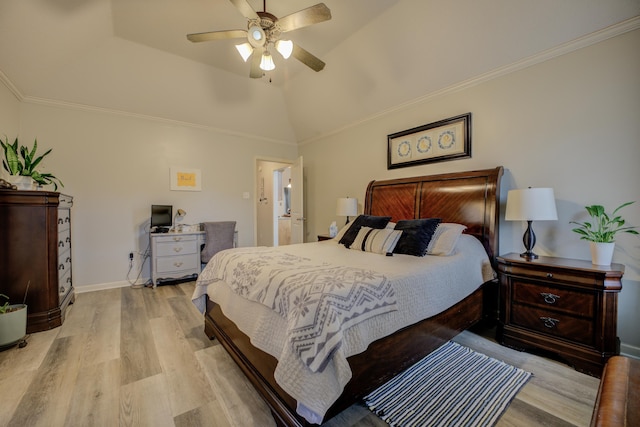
pixel 13 322
pixel 21 162
pixel 602 231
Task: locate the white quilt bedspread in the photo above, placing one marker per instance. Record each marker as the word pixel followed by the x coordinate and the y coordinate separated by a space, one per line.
pixel 318 300
pixel 424 286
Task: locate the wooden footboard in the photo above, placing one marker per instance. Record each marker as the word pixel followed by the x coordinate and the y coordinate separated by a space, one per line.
pixel 382 360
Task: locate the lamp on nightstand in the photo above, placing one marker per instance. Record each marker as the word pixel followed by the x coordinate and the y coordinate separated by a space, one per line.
pixel 347 207
pixel 531 204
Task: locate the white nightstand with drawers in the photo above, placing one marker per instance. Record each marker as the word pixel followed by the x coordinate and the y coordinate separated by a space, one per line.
pixel 175 255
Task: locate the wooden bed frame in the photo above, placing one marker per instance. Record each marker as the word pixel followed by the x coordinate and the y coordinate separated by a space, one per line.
pixel 470 198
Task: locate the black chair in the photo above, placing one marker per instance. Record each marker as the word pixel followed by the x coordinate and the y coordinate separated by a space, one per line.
pixel 219 235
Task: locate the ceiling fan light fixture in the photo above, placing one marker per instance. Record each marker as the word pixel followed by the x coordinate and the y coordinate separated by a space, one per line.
pixel 285 47
pixel 245 50
pixel 256 36
pixel 266 63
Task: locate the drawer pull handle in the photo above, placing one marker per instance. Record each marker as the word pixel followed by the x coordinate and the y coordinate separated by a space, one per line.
pixel 61 267
pixel 177 264
pixel 177 249
pixel 61 244
pixel 60 221
pixel 549 276
pixel 62 290
pixel 177 239
pixel 68 279
pixel 68 240
pixel 549 298
pixel 549 322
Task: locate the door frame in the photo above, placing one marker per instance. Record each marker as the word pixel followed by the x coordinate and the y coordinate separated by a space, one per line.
pixel 256 188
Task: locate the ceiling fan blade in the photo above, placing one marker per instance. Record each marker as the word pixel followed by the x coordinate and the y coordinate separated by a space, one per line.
pixel 256 72
pixel 245 9
pixel 307 58
pixel 305 17
pixel 217 35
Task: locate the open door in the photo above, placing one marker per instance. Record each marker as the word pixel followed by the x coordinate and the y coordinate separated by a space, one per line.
pixel 297 202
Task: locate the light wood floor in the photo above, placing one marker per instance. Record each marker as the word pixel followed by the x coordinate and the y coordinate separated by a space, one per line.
pixel 140 357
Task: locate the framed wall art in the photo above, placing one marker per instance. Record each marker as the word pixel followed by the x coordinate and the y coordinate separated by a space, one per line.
pixel 184 179
pixel 447 139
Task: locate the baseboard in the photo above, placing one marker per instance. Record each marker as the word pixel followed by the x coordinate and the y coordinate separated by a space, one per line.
pixel 112 285
pixel 630 351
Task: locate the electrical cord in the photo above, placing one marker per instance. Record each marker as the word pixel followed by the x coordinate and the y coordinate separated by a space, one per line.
pixel 146 254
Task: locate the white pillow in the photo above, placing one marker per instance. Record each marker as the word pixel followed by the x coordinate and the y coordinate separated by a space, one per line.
pixel 444 239
pixel 377 240
pixel 342 231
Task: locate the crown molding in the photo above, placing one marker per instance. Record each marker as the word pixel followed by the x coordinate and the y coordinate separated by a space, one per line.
pixel 102 110
pixel 12 88
pixel 563 49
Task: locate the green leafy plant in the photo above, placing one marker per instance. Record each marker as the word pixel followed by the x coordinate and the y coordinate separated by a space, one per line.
pixel 22 161
pixel 4 308
pixel 604 227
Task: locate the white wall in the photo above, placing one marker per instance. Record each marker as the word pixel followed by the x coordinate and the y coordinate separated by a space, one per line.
pixel 116 166
pixel 571 123
pixel 9 117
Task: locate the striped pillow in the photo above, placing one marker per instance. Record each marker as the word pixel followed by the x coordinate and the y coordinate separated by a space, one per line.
pixel 377 240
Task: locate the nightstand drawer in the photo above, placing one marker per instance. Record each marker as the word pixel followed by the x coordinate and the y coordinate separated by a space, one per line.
pixel 550 275
pixel 177 263
pixel 176 248
pixel 554 324
pixel 554 298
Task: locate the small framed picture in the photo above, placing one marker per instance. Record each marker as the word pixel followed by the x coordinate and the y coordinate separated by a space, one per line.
pixel 185 179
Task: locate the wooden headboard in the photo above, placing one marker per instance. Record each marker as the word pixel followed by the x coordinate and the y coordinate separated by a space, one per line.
pixel 469 198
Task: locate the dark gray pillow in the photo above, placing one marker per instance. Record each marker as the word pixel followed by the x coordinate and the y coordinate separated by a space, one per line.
pixel 363 221
pixel 416 235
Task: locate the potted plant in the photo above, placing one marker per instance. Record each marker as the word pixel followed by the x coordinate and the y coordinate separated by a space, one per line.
pixel 602 232
pixel 13 322
pixel 21 164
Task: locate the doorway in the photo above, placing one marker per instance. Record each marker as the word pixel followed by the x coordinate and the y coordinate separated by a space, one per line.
pixel 274 204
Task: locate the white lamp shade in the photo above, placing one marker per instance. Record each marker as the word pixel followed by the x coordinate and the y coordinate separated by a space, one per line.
pixel 347 207
pixel 531 204
pixel 245 50
pixel 285 47
pixel 266 63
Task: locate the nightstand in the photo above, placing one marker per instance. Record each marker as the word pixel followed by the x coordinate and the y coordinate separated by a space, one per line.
pixel 565 306
pixel 322 237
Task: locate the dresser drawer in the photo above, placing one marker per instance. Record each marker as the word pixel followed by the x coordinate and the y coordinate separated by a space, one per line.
pixel 176 248
pixel 175 238
pixel 177 264
pixel 554 298
pixel 554 324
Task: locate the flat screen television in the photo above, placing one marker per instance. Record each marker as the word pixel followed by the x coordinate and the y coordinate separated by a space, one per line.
pixel 161 218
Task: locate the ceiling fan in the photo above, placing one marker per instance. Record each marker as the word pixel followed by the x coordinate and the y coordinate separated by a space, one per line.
pixel 264 30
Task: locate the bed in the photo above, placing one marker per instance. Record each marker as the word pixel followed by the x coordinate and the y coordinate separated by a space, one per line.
pixel 468 198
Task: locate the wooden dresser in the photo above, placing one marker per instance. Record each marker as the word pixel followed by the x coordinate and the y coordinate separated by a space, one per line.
pixel 35 242
pixel 565 306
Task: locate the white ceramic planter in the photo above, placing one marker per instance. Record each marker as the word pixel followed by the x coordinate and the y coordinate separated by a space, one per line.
pixel 13 325
pixel 22 182
pixel 602 253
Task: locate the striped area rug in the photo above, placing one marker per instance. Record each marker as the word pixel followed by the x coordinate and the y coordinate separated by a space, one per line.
pixel 453 386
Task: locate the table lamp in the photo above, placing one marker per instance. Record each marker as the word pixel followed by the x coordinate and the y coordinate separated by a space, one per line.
pixel 531 204
pixel 347 207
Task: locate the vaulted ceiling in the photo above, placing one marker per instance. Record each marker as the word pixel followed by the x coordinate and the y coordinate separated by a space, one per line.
pixel 133 56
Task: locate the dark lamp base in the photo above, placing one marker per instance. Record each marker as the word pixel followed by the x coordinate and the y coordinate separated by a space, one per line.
pixel 529 255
